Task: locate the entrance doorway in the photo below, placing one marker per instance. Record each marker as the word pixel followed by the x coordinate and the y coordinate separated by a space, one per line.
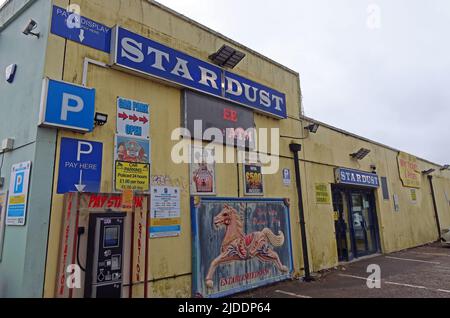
pixel 355 223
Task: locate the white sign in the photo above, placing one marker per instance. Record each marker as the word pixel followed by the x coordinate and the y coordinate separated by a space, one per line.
pixel 18 194
pixel 286 177
pixel 165 212
pixel 133 118
pixel 396 203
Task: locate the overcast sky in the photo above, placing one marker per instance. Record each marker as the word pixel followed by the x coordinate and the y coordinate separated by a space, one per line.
pixel 385 77
pixel 380 69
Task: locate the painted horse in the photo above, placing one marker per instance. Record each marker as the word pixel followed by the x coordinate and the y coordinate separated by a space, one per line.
pixel 238 246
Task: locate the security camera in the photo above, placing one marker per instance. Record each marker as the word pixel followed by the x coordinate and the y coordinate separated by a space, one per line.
pixel 32 25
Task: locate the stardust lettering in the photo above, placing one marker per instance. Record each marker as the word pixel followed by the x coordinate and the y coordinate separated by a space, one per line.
pixel 146 56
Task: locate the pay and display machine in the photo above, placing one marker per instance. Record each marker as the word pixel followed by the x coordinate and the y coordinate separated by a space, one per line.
pixel 104 263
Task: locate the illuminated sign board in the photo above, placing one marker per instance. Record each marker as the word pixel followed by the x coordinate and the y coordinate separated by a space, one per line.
pixel 202 112
pixel 357 178
pixel 136 53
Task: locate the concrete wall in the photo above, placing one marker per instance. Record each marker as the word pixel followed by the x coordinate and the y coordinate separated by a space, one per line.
pixel 23 265
pixel 413 225
pixel 171 256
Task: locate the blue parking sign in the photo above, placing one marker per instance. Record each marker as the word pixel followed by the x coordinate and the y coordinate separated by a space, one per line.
pixel 80 166
pixel 68 106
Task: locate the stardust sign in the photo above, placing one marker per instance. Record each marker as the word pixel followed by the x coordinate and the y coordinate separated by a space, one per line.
pixel 135 53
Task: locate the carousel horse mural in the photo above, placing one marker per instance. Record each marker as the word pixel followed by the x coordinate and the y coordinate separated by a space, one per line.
pixel 238 246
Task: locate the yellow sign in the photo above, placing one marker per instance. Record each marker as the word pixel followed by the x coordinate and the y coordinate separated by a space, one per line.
pixel 336 215
pixel 409 170
pixel 127 200
pixel 322 193
pixel 413 195
pixel 132 176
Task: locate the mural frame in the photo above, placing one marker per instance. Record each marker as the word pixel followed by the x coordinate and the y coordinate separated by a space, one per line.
pixel 198 275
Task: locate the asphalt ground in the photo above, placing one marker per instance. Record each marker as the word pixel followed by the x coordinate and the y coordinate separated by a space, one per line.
pixel 421 272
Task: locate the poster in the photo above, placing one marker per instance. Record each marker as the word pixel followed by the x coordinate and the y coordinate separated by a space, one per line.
pixel 239 244
pixel 413 196
pixel 409 170
pixel 165 217
pixel 134 176
pixel 202 171
pixel 253 180
pixel 18 194
pixel 133 118
pixel 322 193
pixel 3 197
pixel 131 149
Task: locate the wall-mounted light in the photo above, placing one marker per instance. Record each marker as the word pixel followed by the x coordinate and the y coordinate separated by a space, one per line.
pixel 445 167
pixel 429 171
pixel 100 119
pixel 227 56
pixel 373 168
pixel 360 154
pixel 313 128
pixel 30 27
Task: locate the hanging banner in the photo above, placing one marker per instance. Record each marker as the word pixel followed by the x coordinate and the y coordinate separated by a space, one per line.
pixel 409 170
pixel 239 244
pixel 133 118
pixel 165 216
pixel 132 176
pixel 253 180
pixel 18 194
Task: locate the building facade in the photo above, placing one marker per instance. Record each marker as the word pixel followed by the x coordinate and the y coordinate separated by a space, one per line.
pixel 120 195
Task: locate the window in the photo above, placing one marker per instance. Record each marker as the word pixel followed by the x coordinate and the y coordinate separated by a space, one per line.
pixel 384 187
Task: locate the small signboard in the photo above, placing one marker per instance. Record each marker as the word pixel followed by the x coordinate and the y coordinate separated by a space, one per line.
pixel 80 166
pixel 357 178
pixel 130 175
pixel 18 194
pixel 133 118
pixel 67 106
pixel 77 28
pixel 127 200
pixel 132 149
pixel 287 177
pixel 165 217
pixel 322 193
pixel 253 180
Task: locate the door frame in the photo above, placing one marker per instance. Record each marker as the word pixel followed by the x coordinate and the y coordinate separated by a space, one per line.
pixel 348 190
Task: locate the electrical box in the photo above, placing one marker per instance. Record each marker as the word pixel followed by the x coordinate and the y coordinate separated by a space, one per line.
pixel 104 263
pixel 7 144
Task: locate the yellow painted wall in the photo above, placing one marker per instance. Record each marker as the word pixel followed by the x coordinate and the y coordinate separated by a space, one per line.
pixel 322 152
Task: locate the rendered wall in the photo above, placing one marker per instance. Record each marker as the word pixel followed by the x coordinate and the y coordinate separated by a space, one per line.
pixel 23 265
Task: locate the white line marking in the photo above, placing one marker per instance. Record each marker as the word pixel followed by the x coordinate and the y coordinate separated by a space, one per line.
pixel 434 254
pixel 413 260
pixel 406 285
pixel 444 290
pixel 397 284
pixel 291 294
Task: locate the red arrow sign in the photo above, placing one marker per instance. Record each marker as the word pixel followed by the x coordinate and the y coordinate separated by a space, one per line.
pixel 143 119
pixel 134 118
pixel 123 116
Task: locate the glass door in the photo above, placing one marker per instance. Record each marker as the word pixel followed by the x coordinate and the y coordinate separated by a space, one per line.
pixel 363 222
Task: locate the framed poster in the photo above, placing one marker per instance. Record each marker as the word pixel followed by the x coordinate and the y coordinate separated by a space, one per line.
pixel 202 174
pixel 253 180
pixel 239 244
pixel 3 200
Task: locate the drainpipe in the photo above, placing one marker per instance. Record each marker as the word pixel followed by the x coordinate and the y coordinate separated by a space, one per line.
pixel 296 148
pixel 438 223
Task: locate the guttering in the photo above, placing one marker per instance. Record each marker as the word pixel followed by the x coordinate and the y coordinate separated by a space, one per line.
pixel 296 148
